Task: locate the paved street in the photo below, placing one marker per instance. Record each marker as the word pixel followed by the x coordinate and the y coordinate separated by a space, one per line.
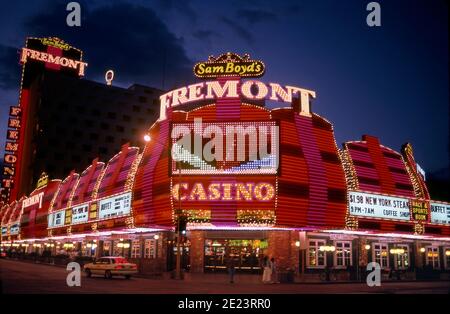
pixel 24 277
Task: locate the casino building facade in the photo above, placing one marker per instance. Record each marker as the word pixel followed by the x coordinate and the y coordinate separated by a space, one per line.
pixel 301 199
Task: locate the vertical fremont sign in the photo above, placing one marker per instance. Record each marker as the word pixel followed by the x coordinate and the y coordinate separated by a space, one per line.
pixel 11 150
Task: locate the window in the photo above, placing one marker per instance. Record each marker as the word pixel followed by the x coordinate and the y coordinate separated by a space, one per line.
pixel 111 115
pixel 106 248
pixel 150 248
pixel 380 254
pixel 447 257
pixel 401 257
pixel 432 256
pixel 142 99
pixel 120 128
pixel 104 261
pixel 316 258
pixel 126 118
pixel 136 249
pixel 136 109
pixel 343 254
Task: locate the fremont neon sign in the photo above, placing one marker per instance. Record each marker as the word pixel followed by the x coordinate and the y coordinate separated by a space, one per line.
pixel 33 200
pixel 48 57
pixel 251 89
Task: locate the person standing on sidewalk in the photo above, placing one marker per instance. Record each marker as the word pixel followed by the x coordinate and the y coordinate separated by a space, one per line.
pixel 274 273
pixel 231 268
pixel 267 273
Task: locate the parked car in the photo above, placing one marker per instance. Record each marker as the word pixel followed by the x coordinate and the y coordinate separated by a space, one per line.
pixel 2 253
pixel 111 266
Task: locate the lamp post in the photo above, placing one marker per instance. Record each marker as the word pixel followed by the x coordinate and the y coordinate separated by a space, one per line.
pixel 148 138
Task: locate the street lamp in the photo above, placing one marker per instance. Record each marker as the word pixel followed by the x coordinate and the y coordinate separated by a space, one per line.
pixel 147 138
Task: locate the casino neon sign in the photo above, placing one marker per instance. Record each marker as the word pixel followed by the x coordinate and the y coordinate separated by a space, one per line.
pixel 224 191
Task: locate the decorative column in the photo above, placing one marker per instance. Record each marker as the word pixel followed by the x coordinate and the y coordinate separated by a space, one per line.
pixel 197 250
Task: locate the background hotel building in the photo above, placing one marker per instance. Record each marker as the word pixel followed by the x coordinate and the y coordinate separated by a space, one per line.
pixel 65 121
pixel 330 206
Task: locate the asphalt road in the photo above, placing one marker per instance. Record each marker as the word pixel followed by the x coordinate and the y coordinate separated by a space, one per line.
pixel 24 277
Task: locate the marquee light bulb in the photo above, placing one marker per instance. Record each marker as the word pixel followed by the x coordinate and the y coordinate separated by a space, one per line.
pixel 147 138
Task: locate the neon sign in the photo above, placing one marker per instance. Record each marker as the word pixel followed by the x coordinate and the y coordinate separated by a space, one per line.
pixel 239 191
pixel 11 149
pixel 33 200
pixel 55 42
pixel 48 57
pixel 229 64
pixel 420 210
pixel 251 89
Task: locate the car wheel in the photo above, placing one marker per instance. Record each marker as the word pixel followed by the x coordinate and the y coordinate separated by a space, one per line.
pixel 127 276
pixel 88 273
pixel 108 274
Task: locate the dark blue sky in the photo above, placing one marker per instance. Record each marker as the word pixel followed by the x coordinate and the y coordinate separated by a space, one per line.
pixel 389 81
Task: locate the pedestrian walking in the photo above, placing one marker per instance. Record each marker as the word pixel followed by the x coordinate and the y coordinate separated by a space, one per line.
pixel 231 268
pixel 267 270
pixel 274 272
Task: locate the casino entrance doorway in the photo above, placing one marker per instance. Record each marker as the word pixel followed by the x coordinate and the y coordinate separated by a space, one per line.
pixel 247 254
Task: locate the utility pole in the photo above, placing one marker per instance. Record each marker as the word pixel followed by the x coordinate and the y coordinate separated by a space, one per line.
pixel 178 265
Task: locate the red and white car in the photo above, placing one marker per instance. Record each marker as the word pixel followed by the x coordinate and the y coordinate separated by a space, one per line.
pixel 111 266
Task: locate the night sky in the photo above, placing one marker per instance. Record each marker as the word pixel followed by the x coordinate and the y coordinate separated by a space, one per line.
pixel 389 81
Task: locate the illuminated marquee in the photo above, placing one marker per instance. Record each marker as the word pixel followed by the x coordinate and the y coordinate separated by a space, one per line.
pixel 49 58
pixel 378 206
pixel 261 191
pixel 440 213
pixel 251 89
pixel 14 229
pixel 229 64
